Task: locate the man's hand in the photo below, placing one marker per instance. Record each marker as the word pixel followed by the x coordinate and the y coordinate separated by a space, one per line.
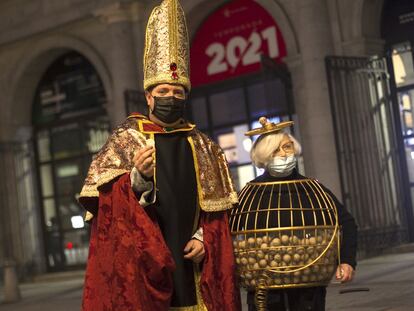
pixel 194 250
pixel 144 161
pixel 344 273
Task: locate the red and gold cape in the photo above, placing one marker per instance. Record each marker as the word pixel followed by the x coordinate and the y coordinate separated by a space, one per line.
pixel 130 266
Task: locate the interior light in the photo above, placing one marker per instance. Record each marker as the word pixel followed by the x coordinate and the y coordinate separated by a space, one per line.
pixel 77 222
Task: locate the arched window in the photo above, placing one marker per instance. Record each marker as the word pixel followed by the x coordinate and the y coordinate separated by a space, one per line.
pixel 70 126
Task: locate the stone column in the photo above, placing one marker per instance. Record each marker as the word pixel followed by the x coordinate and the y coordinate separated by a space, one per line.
pixel 120 18
pixel 312 96
pixel 9 223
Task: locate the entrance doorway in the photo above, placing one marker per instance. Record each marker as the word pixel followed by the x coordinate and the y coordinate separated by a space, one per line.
pixel 70 125
pixel 398 32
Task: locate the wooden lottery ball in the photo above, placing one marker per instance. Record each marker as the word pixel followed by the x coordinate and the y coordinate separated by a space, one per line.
pixel 259 241
pixel 251 242
pixel 300 250
pixel 285 239
pixel 242 244
pixel 278 258
pixel 244 261
pixel 294 240
pixel 252 260
pixel 266 239
pixel 276 242
pixel 290 251
pixel 296 257
pixel 297 273
pixel 287 258
pixel 263 263
pixel 264 246
pixel 273 264
pixel 260 254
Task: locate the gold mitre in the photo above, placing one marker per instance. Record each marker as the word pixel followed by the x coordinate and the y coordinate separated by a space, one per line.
pixel 166 57
pixel 269 127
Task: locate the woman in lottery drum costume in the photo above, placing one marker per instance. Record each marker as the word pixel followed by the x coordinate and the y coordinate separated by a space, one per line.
pixel 290 233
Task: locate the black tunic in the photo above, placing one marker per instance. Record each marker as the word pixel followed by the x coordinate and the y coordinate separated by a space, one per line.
pixel 176 205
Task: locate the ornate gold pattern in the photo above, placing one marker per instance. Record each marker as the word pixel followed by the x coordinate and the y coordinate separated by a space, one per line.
pixel 215 187
pixel 166 42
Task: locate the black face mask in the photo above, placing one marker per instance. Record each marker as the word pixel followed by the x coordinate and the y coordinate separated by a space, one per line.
pixel 169 109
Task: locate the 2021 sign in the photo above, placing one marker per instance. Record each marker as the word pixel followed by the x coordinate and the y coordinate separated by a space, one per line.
pixel 240 51
pixel 231 41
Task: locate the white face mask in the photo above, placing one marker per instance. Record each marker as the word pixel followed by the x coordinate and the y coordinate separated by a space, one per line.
pixel 282 166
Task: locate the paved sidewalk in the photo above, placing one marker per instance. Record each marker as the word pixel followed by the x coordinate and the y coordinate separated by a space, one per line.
pixel 390 279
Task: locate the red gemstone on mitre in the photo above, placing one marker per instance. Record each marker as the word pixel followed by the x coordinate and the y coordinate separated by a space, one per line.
pixel 175 76
pixel 173 66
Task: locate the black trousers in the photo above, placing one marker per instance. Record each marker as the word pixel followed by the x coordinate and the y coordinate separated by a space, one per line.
pixel 299 299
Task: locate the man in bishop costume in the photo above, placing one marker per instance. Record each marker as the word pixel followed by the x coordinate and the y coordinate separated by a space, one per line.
pixel 157 196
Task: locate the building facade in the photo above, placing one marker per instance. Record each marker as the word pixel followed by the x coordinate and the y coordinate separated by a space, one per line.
pixel 72 70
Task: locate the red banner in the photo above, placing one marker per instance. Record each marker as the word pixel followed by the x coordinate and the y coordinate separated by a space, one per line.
pixel 229 43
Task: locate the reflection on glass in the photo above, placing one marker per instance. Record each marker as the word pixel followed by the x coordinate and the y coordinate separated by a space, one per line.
pixel 67 170
pixel 76 247
pixel 406 100
pixel 267 98
pixel 228 107
pixel 242 175
pixel 66 141
pixel 68 178
pixel 46 180
pixel 69 208
pixel 49 212
pixel 97 132
pixel 43 146
pixel 409 153
pixel 402 60
pixel 199 112
pixel 245 174
pixel 235 144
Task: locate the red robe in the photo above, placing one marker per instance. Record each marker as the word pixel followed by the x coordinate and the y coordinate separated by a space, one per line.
pixel 130 266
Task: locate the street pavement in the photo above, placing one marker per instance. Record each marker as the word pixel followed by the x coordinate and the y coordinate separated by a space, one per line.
pixel 389 278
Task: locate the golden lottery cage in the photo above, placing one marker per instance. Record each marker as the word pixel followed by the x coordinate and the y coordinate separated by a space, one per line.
pixel 285 234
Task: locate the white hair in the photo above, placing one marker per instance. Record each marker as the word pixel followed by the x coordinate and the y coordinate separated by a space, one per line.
pixel 263 148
